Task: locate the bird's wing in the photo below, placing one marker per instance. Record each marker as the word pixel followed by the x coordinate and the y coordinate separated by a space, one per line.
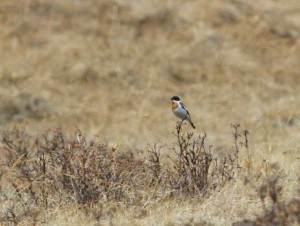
pixel 184 107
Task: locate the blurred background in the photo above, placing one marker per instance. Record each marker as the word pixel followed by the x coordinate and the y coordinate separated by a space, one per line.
pixel 109 68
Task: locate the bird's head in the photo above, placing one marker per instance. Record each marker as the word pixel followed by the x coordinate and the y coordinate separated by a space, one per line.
pixel 175 98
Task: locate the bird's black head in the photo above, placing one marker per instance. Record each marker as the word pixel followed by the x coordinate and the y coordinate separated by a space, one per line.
pixel 176 98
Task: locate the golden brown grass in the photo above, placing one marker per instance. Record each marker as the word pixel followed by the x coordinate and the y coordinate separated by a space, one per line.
pixel 48 178
pixel 109 68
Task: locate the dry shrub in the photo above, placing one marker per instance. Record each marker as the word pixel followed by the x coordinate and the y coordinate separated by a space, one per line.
pixel 280 212
pixel 49 171
pixel 196 166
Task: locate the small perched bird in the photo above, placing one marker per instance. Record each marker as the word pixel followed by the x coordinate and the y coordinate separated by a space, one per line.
pixel 180 110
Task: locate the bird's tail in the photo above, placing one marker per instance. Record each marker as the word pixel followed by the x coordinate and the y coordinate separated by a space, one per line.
pixel 192 124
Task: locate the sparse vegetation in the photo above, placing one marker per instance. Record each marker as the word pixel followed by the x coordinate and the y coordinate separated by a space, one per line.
pixel 280 212
pixel 48 171
pixel 41 173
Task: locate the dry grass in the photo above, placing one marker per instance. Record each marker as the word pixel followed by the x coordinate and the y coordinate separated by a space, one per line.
pixel 109 68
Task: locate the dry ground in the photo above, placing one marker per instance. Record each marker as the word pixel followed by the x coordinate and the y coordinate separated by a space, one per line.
pixel 109 68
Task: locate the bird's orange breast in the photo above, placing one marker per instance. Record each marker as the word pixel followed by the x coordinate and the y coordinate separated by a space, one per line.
pixel 174 105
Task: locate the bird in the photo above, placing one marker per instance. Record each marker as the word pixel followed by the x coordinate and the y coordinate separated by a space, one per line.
pixel 180 110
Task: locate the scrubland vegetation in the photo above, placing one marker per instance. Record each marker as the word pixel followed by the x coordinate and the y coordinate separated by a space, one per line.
pixel 88 136
pixel 44 173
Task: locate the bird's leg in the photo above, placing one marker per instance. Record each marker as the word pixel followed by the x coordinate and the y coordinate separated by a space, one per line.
pixel 181 122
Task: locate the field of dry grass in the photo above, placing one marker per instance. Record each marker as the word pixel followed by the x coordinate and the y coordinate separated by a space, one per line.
pixel 108 68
